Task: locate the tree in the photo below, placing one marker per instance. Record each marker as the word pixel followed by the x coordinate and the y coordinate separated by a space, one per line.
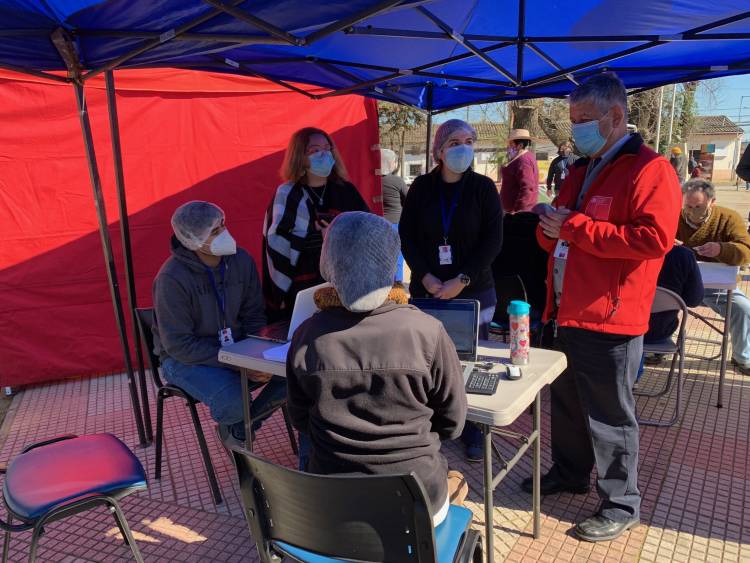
pixel 686 122
pixel 395 121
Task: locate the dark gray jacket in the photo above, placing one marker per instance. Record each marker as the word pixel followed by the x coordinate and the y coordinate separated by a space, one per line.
pixel 743 168
pixel 376 392
pixel 187 313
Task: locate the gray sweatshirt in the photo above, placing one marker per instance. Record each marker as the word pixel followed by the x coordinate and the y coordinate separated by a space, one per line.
pixel 187 313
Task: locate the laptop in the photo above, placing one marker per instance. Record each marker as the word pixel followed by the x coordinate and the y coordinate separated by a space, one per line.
pixel 304 308
pixel 460 317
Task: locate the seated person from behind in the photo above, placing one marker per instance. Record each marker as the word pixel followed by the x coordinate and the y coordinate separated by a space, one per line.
pixel 375 383
pixel 680 274
pixel 206 295
pixel 717 234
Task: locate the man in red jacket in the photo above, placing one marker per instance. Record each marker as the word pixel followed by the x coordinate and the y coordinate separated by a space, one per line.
pixel 607 234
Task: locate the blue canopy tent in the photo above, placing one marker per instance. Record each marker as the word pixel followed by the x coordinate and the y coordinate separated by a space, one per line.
pixel 432 55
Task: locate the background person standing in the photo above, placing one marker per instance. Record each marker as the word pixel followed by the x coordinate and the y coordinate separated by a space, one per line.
pixel 520 188
pixel 558 169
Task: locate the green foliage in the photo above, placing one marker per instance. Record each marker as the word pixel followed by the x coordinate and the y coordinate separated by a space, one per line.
pixel 395 120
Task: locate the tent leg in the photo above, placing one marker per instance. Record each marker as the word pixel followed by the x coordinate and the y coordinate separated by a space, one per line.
pixel 429 128
pixel 114 126
pixel 109 260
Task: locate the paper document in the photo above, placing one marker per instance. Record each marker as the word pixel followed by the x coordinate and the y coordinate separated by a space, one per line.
pixel 277 353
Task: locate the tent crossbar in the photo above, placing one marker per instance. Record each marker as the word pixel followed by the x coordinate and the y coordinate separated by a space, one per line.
pixel 32 72
pixel 202 37
pixel 718 23
pixel 247 69
pixel 462 56
pixel 593 62
pixel 361 85
pixel 255 21
pixel 345 23
pixel 459 78
pixel 466 44
pixel 417 34
pixel 550 61
pixel 163 38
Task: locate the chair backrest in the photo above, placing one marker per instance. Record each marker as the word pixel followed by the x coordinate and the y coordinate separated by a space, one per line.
pixel 667 300
pixel 145 318
pixel 354 518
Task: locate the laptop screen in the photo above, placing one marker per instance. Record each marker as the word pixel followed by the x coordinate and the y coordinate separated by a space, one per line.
pixel 460 317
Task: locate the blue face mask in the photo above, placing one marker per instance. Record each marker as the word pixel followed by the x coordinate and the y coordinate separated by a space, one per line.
pixel 459 158
pixel 587 137
pixel 321 163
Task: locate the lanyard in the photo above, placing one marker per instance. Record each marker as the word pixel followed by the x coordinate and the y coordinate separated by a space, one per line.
pixel 447 215
pixel 220 295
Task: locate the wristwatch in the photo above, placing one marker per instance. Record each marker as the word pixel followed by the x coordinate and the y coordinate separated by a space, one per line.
pixel 464 279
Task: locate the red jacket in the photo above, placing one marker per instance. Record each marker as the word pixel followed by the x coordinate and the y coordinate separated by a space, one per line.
pixel 618 240
pixel 520 188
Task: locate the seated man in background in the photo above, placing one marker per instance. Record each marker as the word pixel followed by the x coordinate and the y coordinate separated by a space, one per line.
pixel 372 381
pixel 718 234
pixel 207 295
pixel 679 273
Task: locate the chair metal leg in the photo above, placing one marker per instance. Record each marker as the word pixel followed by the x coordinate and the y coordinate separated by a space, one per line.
pixel 204 452
pixel 289 429
pixel 159 433
pixel 667 386
pixel 35 535
pixel 678 398
pixel 119 526
pixel 122 523
pixel 6 541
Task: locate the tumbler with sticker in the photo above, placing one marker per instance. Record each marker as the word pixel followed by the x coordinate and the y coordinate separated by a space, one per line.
pixel 520 335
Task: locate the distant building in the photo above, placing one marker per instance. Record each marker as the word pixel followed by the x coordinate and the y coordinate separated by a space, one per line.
pixel 716 143
pixel 489 147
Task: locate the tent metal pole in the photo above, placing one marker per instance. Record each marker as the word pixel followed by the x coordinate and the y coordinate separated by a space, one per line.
pixel 521 40
pixel 428 141
pixel 671 117
pixel 127 251
pixel 109 260
pixel 37 73
pixel 350 21
pixel 658 118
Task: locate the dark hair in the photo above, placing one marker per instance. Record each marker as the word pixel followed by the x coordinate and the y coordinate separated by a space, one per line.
pixel 525 143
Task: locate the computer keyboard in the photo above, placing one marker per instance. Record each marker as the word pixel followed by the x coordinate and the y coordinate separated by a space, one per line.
pixel 482 382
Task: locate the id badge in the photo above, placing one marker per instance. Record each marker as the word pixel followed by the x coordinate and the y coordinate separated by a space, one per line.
pixel 561 250
pixel 445 255
pixel 225 337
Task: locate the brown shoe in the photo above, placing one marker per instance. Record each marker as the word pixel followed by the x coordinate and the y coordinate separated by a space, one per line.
pixel 458 489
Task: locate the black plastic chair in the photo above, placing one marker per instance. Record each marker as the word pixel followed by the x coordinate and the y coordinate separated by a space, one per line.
pixel 145 322
pixel 67 475
pixel 507 289
pixel 330 519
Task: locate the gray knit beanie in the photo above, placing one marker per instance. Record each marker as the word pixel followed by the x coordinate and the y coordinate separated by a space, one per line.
pixel 359 258
pixel 447 129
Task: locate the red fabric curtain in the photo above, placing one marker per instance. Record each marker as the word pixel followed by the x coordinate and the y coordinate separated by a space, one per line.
pixel 185 135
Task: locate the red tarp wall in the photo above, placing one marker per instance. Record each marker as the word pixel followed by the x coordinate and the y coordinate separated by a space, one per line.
pixel 185 135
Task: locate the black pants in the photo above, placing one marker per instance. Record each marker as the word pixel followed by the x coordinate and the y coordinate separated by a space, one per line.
pixel 593 417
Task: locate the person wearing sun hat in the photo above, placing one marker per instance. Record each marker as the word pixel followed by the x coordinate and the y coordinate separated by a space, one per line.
pixel 374 383
pixel 680 163
pixel 519 190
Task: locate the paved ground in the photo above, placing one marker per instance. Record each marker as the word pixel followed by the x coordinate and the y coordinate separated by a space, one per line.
pixel 693 478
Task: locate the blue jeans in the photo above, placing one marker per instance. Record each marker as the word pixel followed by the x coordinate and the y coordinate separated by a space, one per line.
pixel 739 323
pixel 220 389
pixel 400 264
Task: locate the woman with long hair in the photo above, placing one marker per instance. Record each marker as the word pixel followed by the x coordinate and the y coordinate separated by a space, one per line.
pixel 315 190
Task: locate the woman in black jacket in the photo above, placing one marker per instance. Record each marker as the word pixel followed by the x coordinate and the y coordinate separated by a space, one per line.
pixel 451 230
pixel 452 225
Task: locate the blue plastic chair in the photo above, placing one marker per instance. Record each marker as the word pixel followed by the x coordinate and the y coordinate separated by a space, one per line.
pixel 334 518
pixel 67 475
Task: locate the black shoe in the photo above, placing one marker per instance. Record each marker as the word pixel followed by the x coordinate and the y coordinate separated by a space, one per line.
pixel 601 528
pixel 655 359
pixel 744 370
pixel 551 484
